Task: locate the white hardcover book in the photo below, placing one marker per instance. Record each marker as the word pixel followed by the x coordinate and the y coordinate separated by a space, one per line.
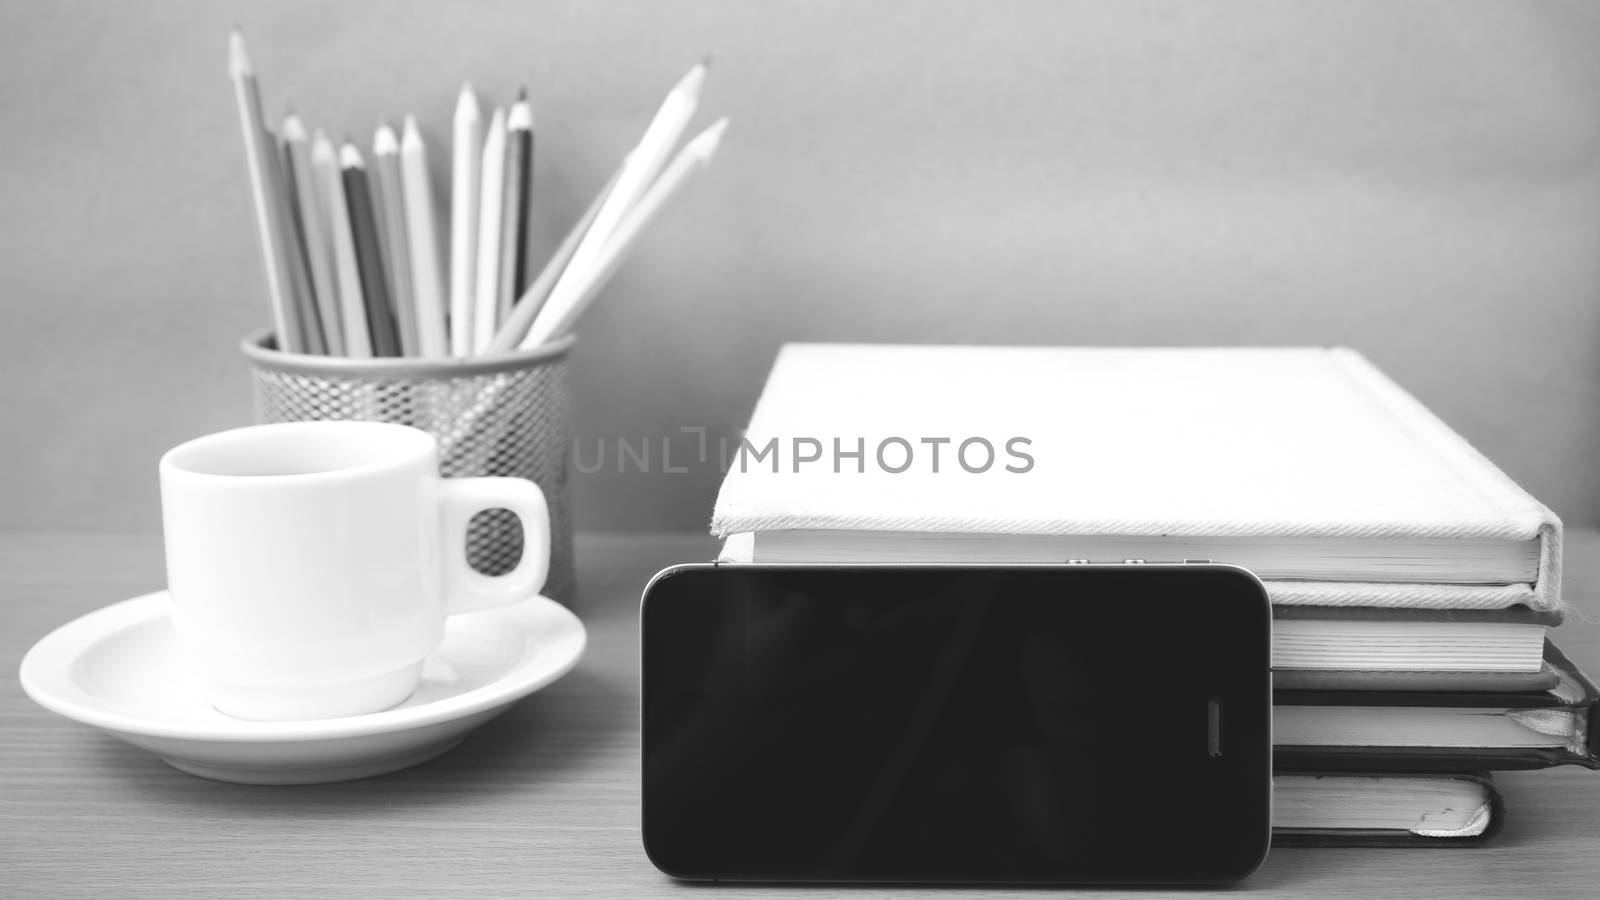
pixel 1306 465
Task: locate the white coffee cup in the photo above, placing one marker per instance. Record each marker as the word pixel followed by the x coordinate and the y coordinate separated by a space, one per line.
pixel 311 565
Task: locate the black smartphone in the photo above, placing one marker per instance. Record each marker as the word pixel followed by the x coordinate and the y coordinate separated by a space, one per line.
pixel 957 724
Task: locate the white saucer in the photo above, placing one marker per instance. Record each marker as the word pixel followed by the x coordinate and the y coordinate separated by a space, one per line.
pixel 119 669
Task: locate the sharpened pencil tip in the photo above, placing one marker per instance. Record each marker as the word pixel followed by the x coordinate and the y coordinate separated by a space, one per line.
pixel 690 84
pixel 411 136
pixel 238 56
pixel 520 116
pixel 384 141
pixel 350 156
pixel 322 148
pixel 293 128
pixel 705 143
pixel 522 94
pixel 467 107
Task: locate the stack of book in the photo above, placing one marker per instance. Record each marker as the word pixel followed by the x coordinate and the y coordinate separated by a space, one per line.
pixel 1413 583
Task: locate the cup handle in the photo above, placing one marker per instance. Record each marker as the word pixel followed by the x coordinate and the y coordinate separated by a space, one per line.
pixel 467 589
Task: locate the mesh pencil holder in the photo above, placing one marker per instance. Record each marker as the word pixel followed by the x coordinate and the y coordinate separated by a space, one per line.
pixel 503 415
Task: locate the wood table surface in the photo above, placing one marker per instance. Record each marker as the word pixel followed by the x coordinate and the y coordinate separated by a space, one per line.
pixel 544 801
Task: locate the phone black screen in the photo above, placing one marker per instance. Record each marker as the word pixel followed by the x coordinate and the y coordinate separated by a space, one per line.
pixel 1006 724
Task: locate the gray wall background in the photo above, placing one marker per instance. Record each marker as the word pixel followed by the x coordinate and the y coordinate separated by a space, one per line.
pixel 1420 180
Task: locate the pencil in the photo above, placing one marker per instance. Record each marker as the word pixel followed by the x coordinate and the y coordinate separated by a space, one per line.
pixel 389 206
pixel 342 249
pixel 261 157
pixel 311 216
pixel 492 183
pixel 466 164
pixel 369 258
pixel 294 246
pixel 526 256
pixel 527 308
pixel 305 302
pixel 563 309
pixel 423 239
pixel 514 212
pixel 639 172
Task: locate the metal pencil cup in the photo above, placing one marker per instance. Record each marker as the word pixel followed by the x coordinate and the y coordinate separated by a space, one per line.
pixel 504 415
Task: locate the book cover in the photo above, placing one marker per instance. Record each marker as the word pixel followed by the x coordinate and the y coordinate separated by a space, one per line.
pixel 1312 450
